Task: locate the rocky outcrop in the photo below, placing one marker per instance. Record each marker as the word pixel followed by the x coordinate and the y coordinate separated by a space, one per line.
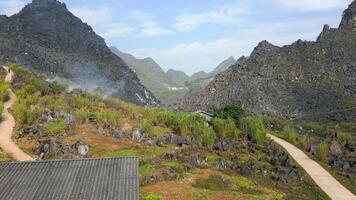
pixel 298 80
pixel 45 36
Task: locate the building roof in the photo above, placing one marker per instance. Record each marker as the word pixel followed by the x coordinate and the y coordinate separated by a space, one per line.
pixel 204 112
pixel 104 179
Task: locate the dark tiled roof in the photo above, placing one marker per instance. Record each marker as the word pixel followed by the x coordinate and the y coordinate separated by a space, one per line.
pixel 102 179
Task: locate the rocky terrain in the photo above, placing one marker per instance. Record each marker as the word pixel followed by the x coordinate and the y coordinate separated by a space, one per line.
pixel 301 79
pixel 49 39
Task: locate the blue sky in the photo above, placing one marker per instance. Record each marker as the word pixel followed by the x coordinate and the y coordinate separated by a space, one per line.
pixel 194 35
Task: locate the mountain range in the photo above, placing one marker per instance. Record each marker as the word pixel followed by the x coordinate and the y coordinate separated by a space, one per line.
pixel 301 79
pixel 47 38
pixel 170 86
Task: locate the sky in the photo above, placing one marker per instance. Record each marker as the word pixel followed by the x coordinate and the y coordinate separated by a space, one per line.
pixel 195 35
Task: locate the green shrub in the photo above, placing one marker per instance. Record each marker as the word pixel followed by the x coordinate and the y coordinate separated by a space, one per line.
pixel 254 128
pixel 276 123
pixel 235 112
pixel 147 126
pixel 22 114
pixel 150 197
pixel 225 128
pixel 110 116
pixel 55 126
pixel 322 151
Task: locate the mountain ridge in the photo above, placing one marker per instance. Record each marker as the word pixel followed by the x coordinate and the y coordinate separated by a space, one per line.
pixel 294 80
pixel 48 38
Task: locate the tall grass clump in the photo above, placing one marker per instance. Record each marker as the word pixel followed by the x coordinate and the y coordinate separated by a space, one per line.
pixel 147 126
pixel 57 88
pixel 1 109
pixel 305 141
pixel 289 134
pixel 4 91
pixel 23 114
pixel 225 128
pixel 79 101
pixel 204 137
pixel 110 116
pixel 322 151
pixel 254 129
pixel 81 115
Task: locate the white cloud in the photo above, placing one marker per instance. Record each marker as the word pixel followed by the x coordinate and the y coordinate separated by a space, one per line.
pixel 313 5
pixel 198 56
pixel 93 16
pixel 114 30
pixel 223 15
pixel 10 7
pixel 101 19
pixel 147 24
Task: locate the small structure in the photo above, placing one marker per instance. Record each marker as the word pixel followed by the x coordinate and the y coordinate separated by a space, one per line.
pixel 104 179
pixel 208 116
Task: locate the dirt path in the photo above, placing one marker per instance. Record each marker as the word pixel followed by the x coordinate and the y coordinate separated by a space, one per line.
pixel 7 126
pixel 321 177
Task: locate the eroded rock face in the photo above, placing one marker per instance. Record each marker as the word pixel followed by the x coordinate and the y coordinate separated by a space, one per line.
pixel 302 79
pixel 45 36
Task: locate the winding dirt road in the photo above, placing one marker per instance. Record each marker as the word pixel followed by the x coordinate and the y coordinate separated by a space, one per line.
pixel 7 126
pixel 321 177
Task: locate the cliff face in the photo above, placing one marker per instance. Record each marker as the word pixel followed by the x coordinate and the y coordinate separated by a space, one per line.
pixel 304 78
pixel 48 38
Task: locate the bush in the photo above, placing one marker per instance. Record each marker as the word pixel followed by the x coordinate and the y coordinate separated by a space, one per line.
pixel 234 112
pixel 225 128
pixel 322 151
pixel 22 114
pixel 79 101
pixel 254 128
pixel 345 136
pixel 147 126
pixel 205 137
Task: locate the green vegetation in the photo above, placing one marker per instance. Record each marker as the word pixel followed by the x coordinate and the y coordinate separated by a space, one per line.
pixel 234 112
pixel 305 141
pixel 225 128
pixel 4 91
pixel 55 126
pixel 214 182
pixel 254 128
pixel 170 164
pixel 123 153
pixel 150 197
pixel 289 134
pixel 81 115
pixel 57 88
pixel 345 136
pixel 108 116
pixel 23 113
pixel 322 151
pixel 147 126
pixel 143 169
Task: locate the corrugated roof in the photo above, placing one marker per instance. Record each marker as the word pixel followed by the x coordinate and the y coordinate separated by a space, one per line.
pixel 99 179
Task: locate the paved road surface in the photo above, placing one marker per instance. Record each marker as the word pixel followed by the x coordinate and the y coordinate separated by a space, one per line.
pixel 326 182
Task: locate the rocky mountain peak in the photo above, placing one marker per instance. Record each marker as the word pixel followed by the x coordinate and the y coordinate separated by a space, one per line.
pixel 263 47
pixel 349 17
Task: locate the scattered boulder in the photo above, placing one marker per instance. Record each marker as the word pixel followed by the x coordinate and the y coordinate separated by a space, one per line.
pixel 195 161
pixel 176 139
pixel 223 144
pixel 118 134
pixel 137 135
pixel 222 164
pixel 82 148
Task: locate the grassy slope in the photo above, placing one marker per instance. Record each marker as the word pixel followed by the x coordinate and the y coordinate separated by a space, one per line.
pixel 35 97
